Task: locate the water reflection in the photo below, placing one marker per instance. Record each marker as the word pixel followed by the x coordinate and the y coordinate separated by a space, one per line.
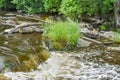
pixel 17 48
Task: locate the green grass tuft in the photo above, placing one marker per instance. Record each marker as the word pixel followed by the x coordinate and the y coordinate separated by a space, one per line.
pixel 67 32
pixel 116 37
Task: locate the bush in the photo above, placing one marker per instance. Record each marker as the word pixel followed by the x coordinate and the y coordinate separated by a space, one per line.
pixel 116 37
pixel 71 8
pixel 6 5
pixel 63 32
pixel 52 5
pixel 30 6
pixel 76 8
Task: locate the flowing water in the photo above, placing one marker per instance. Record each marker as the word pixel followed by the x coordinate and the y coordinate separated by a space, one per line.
pixel 83 64
pixel 71 66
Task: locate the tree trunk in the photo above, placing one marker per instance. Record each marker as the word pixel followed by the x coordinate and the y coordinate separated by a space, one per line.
pixel 117 12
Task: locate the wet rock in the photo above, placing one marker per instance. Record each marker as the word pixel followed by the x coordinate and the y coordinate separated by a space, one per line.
pixel 109 34
pixel 84 30
pixel 9 15
pixel 112 58
pixel 113 49
pixel 8 30
pixel 23 30
pixel 2 65
pixel 83 43
pixel 33 61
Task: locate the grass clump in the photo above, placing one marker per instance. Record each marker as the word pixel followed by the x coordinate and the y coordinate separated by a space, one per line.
pixel 116 37
pixel 65 32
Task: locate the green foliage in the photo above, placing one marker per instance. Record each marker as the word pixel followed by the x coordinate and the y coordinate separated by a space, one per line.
pixel 71 8
pixel 102 27
pixel 30 6
pixel 116 37
pixel 76 8
pixel 6 5
pixel 52 5
pixel 63 32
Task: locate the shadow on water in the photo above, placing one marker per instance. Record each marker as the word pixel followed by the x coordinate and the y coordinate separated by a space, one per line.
pixel 22 52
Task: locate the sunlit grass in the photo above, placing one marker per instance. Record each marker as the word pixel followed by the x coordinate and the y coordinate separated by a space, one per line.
pixel 116 37
pixel 67 32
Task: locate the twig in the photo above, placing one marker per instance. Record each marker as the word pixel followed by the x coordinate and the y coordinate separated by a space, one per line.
pixel 24 25
pixel 92 40
pixel 31 19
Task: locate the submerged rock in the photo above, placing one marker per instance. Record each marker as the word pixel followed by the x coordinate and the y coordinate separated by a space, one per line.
pixel 33 61
pixel 83 43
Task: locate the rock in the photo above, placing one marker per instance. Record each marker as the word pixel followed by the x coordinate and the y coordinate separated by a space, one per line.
pixel 109 34
pixel 84 30
pixel 9 15
pixel 8 31
pixel 83 43
pixel 30 29
pixel 113 49
pixel 111 58
pixel 2 65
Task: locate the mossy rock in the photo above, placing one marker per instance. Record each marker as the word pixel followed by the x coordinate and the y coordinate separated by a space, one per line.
pixel 28 65
pixel 33 61
pixel 58 45
pixel 43 55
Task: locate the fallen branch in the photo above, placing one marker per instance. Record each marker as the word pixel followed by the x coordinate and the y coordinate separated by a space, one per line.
pixel 12 30
pixel 95 34
pixel 12 55
pixel 92 40
pixel 19 17
pixel 8 18
pixel 6 24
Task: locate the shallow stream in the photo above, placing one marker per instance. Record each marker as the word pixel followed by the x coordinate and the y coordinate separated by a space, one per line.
pixel 71 66
pixel 83 64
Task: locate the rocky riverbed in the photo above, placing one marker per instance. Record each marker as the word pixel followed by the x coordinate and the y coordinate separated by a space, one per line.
pixel 71 66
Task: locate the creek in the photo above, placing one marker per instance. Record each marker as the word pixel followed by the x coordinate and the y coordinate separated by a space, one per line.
pixel 91 63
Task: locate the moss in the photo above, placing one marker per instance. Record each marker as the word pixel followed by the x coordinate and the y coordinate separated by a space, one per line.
pixel 116 37
pixel 43 55
pixel 28 65
pixel 58 45
pixel 33 61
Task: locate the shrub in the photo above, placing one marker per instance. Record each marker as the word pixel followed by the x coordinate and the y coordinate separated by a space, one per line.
pixel 6 5
pixel 116 37
pixel 63 32
pixel 76 8
pixel 30 6
pixel 52 5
